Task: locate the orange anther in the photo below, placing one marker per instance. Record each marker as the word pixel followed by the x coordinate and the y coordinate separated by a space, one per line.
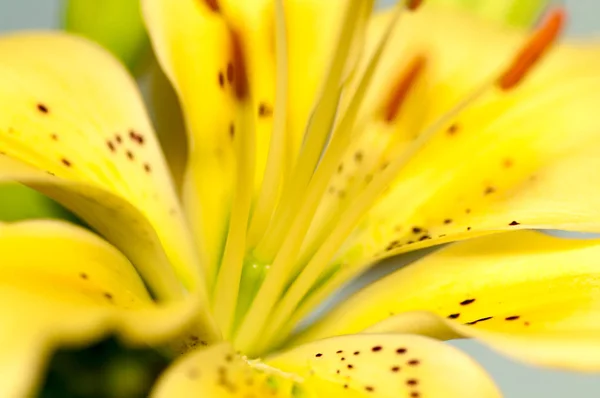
pixel 540 41
pixel 402 88
pixel 412 5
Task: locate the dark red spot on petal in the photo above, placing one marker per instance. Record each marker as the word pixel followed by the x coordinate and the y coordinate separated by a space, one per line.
pixel 213 5
pixel 479 320
pixel 135 137
pixel 467 302
pixel 452 129
pixel 239 74
pixel 265 110
pixel 43 108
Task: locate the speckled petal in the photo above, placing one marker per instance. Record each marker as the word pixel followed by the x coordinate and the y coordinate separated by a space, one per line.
pixel 518 159
pixel 74 121
pixel 526 158
pixel 170 126
pixel 532 296
pixel 193 46
pixel 61 285
pixel 217 371
pixel 195 42
pixel 385 365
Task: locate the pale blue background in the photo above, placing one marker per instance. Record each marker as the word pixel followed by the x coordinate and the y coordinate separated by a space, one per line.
pixel 516 380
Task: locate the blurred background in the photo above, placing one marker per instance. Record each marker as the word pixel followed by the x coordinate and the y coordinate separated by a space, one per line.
pixel 516 380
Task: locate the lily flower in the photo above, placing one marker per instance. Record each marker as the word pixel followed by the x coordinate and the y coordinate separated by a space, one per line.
pixel 319 143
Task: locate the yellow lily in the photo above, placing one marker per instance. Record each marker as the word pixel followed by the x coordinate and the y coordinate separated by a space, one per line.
pixel 319 143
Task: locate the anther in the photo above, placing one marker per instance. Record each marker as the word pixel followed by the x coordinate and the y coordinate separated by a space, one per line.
pixel 412 5
pixel 402 88
pixel 540 41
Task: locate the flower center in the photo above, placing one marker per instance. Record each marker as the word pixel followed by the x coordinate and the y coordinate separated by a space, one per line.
pixel 280 248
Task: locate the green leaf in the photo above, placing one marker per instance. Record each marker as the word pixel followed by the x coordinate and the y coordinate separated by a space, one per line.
pixel 17 202
pixel 115 24
pixel 521 13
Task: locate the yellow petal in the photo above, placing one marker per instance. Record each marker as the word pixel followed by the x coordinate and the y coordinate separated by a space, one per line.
pixel 170 127
pixel 385 365
pixel 193 47
pixel 217 371
pixel 61 286
pixel 382 365
pixel 533 296
pixel 71 112
pixel 194 43
pixel 517 159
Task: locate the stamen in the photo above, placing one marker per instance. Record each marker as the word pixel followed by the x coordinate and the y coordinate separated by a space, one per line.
pixel 228 279
pixel 337 148
pixel 533 50
pixel 347 221
pixel 290 247
pixel 267 198
pixel 269 301
pixel 402 88
pixel 317 133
